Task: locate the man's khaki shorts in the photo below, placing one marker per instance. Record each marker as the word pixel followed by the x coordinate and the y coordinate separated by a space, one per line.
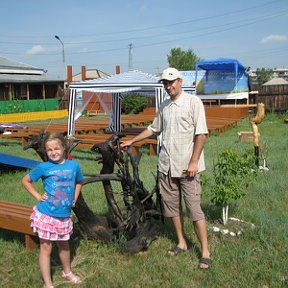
pixel 172 188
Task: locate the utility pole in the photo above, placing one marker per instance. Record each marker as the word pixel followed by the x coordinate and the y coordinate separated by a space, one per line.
pixel 130 63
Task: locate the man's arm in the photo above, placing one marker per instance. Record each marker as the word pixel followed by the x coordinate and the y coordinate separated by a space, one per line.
pixel 143 135
pixel 198 147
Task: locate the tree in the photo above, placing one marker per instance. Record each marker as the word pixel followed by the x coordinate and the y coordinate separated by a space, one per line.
pixel 263 75
pixel 233 173
pixel 182 60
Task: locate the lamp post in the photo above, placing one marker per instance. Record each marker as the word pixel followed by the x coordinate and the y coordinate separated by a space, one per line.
pixel 63 54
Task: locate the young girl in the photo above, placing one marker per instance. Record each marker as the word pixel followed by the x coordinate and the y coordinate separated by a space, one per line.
pixel 51 218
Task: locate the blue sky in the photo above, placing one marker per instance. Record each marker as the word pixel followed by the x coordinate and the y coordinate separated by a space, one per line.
pixel 97 34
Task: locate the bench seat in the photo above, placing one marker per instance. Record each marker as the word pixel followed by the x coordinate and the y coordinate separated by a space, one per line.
pixel 16 217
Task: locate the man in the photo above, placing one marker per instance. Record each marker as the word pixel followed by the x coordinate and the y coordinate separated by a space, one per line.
pixel 181 120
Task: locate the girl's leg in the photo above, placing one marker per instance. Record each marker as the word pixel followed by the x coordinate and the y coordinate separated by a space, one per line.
pixel 44 261
pixel 64 255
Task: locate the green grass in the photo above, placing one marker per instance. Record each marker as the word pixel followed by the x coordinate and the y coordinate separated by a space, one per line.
pixel 258 258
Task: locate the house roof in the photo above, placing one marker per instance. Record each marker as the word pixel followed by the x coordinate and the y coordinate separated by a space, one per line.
pixel 90 74
pixel 11 66
pixel 16 72
pixel 27 78
pixel 276 81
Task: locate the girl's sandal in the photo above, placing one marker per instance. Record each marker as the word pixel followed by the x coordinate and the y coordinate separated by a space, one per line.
pixel 72 278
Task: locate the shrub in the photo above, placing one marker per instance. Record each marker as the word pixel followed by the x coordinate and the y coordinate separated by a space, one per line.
pixel 233 173
pixel 133 104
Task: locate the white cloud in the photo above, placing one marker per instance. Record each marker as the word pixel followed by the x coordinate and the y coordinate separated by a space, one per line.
pixel 83 50
pixel 36 50
pixel 274 38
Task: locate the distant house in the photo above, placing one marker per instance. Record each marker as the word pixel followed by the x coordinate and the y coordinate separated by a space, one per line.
pixel 93 104
pixel 89 74
pixel 19 81
pixel 277 73
pixel 276 81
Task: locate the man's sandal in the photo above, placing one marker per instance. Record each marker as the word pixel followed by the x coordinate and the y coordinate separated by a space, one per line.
pixel 72 278
pixel 176 250
pixel 204 263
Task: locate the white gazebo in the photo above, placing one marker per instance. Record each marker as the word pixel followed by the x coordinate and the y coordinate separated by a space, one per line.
pixel 119 85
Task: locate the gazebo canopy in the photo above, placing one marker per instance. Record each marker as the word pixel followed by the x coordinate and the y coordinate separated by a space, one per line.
pixel 117 84
pixel 220 64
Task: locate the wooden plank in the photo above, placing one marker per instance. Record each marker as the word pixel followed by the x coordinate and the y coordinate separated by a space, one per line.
pixel 16 217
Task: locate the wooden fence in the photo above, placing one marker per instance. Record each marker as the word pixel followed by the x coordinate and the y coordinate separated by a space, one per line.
pixel 275 97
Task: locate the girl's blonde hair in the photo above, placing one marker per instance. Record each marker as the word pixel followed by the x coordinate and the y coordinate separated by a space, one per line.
pixel 56 136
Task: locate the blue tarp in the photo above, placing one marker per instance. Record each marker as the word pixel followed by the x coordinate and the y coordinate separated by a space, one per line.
pixel 220 64
pixel 11 162
pixel 223 75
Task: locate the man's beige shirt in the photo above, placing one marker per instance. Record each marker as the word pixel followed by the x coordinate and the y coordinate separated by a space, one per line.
pixel 179 121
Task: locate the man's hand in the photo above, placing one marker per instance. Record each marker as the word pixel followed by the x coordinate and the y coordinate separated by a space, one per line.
pixel 192 169
pixel 125 144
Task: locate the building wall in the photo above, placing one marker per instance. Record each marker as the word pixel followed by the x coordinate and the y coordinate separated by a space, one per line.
pixel 95 104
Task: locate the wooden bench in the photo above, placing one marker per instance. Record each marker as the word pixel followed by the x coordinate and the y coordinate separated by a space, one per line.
pixel 227 112
pixel 148 111
pixel 16 217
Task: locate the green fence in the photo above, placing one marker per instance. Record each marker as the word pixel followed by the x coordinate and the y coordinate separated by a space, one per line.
pixel 17 106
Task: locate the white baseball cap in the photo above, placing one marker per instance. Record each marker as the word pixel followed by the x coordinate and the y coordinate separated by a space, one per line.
pixel 170 74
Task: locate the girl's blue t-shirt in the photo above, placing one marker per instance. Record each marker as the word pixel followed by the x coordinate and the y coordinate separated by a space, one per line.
pixel 59 183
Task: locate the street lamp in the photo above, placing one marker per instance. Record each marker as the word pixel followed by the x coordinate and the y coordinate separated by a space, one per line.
pixel 63 54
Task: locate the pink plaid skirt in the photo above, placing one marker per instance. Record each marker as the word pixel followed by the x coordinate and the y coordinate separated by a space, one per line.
pixel 50 228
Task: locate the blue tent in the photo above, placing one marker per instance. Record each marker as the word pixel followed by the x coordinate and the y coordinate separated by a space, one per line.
pixel 223 75
pixel 221 64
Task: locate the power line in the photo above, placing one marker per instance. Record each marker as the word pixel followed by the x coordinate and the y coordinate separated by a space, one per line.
pixel 211 30
pixel 155 27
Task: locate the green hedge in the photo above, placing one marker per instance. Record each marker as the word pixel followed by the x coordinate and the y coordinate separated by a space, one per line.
pixel 133 103
pixel 18 106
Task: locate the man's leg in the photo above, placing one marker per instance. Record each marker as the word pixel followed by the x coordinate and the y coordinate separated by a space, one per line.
pixel 178 226
pixel 171 204
pixel 191 189
pixel 201 232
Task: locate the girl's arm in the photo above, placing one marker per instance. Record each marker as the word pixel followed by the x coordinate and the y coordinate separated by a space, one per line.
pixel 28 185
pixel 78 187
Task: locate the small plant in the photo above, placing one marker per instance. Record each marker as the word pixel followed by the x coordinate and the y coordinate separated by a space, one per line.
pixel 233 173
